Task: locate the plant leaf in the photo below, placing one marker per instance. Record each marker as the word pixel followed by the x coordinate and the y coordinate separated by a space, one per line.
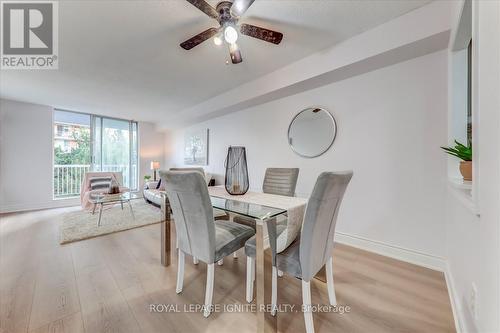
pixel 460 150
pixel 451 150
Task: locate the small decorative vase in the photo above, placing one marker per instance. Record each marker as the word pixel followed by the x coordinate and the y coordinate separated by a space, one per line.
pixel 236 180
pixel 466 170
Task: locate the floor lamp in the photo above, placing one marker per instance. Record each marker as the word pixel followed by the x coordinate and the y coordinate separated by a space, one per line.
pixel 155 165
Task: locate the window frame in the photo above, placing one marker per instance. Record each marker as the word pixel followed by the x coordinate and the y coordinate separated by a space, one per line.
pixel 92 115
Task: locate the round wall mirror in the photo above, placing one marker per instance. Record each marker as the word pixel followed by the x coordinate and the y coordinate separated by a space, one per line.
pixel 312 132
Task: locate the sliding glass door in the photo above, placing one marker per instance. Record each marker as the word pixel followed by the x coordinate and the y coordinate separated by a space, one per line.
pixel 84 142
pixel 115 148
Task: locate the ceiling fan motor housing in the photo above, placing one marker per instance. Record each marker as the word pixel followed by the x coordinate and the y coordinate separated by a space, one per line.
pixel 224 10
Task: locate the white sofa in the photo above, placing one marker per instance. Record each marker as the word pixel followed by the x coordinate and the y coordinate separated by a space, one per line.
pixel 151 193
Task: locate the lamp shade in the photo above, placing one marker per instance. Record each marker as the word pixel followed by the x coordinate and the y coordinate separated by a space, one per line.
pixel 155 165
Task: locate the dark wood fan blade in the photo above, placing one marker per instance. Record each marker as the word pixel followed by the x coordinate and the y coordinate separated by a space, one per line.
pixel 204 7
pixel 261 33
pixel 235 53
pixel 239 7
pixel 199 38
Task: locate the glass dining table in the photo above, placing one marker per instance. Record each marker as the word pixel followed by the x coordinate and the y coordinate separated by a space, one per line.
pixel 254 211
pixel 265 220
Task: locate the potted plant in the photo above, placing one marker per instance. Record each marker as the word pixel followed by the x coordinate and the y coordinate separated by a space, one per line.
pixel 147 178
pixel 465 154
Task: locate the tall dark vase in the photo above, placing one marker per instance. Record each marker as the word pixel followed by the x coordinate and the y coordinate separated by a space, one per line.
pixel 236 180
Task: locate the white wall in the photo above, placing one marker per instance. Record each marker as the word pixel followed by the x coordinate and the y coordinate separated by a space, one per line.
pixel 473 242
pixel 152 148
pixel 26 156
pixel 391 123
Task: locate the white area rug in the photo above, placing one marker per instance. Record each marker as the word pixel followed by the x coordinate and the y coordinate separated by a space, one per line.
pixel 82 224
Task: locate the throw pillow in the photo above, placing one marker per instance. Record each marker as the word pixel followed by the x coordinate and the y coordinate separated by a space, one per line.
pixel 99 183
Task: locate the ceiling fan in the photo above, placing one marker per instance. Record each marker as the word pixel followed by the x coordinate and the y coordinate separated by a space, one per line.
pixel 228 13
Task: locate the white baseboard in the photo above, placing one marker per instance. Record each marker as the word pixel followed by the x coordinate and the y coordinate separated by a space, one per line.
pixel 392 251
pixel 454 300
pixel 40 205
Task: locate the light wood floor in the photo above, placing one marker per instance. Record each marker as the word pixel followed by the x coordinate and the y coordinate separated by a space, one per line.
pixel 107 284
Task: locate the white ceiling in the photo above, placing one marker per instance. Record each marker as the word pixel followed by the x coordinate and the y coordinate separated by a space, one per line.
pixel 122 58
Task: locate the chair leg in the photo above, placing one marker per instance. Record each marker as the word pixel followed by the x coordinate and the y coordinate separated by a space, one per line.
pixel 274 291
pixel 195 261
pixel 209 290
pixel 253 269
pixel 329 282
pixel 250 278
pixel 100 215
pixel 220 262
pixel 306 303
pixel 180 272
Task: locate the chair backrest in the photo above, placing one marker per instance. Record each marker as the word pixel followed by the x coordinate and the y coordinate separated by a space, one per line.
pixel 193 213
pixel 281 181
pixel 189 169
pixel 206 175
pixel 318 229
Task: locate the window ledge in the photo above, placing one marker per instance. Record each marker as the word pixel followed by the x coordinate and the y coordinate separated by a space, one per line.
pixel 462 191
pixel 461 184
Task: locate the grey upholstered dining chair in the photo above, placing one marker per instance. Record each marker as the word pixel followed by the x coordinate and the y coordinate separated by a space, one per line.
pixel 307 254
pixel 279 181
pixel 218 213
pixel 199 235
pixel 200 170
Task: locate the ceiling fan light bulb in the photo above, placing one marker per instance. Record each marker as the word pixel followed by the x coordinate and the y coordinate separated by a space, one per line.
pixel 218 40
pixel 230 34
